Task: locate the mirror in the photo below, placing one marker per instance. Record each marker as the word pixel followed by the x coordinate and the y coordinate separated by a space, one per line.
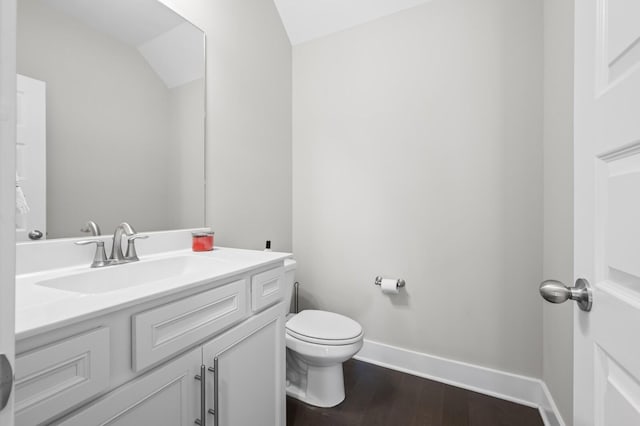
pixel 123 99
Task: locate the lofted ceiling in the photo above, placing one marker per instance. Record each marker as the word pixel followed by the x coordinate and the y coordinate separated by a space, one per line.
pixel 305 20
pixel 173 47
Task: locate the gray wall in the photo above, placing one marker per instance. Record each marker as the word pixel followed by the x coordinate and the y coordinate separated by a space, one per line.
pixel 248 120
pixel 417 154
pixel 106 160
pixel 558 199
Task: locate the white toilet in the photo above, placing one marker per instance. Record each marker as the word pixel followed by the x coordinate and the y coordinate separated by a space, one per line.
pixel 318 342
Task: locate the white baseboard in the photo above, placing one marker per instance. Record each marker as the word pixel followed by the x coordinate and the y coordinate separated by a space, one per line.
pixel 511 387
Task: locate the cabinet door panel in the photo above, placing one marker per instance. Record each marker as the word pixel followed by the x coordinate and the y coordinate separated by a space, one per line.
pixel 167 396
pixel 251 375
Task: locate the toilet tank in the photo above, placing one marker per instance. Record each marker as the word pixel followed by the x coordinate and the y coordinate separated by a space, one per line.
pixel 289 279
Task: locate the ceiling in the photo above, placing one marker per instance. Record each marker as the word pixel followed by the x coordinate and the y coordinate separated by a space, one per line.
pixel 173 47
pixel 305 20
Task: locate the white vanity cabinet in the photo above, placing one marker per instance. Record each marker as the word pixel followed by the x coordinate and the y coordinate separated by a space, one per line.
pixel 247 389
pixel 167 396
pixel 216 350
pixel 247 386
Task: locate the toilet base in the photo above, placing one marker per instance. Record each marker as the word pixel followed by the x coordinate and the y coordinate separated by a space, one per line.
pixel 324 386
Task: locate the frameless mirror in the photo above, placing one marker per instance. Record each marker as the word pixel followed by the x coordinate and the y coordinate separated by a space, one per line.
pixel 110 117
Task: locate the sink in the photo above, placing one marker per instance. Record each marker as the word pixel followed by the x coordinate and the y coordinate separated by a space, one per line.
pixel 119 277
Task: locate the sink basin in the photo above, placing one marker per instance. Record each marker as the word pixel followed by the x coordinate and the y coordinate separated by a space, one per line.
pixel 119 277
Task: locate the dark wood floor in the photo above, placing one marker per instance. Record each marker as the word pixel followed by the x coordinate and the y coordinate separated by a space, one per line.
pixel 378 396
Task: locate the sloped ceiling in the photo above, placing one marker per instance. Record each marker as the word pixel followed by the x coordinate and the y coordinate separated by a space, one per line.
pixel 305 20
pixel 173 47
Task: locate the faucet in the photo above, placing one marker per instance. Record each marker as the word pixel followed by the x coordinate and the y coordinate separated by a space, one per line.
pixel 100 259
pixel 117 256
pixel 92 227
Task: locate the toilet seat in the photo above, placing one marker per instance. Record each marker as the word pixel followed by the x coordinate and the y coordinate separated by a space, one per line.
pixel 324 328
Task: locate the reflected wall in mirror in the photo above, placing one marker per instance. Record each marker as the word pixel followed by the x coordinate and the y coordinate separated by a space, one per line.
pixel 125 98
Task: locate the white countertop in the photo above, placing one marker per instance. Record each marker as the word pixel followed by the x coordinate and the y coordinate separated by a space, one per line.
pixel 40 309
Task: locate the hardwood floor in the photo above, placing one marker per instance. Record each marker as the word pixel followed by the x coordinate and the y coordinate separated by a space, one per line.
pixel 378 396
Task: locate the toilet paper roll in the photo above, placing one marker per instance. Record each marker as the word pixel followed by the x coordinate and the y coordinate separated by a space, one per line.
pixel 389 286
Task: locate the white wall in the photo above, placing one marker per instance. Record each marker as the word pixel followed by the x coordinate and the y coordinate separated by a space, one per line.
pixel 248 121
pixel 558 199
pixel 417 154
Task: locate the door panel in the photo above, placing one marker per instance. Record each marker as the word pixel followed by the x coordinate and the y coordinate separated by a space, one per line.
pixel 607 211
pixel 240 361
pixel 250 372
pixel 616 364
pixel 621 36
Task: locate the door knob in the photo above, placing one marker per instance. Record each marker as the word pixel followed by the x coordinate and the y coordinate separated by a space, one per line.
pixel 556 292
pixel 35 234
pixel 6 381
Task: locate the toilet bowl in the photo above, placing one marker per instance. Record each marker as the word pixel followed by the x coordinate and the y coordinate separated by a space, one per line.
pixel 318 342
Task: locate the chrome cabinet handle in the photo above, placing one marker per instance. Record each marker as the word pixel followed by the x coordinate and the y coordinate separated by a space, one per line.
pixel 556 292
pixel 202 421
pixel 6 381
pixel 216 409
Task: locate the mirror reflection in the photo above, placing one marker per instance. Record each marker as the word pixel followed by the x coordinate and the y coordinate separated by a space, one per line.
pixel 110 117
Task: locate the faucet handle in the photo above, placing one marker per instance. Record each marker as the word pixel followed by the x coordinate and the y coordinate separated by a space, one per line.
pixel 131 254
pixel 100 257
pixel 92 227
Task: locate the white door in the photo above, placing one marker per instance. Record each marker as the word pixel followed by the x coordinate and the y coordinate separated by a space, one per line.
pixel 7 196
pixel 607 211
pixel 31 157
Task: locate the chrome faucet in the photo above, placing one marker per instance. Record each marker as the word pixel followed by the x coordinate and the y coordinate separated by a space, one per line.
pixel 92 227
pixel 117 256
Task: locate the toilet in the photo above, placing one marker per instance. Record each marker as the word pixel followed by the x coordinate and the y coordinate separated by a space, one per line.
pixel 318 342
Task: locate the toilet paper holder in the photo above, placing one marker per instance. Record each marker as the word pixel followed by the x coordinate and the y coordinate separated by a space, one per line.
pixel 399 283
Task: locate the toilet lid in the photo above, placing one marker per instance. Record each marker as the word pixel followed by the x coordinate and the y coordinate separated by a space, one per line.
pixel 324 327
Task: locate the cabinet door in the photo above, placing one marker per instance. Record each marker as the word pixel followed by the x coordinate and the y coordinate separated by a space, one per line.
pixel 167 396
pixel 250 372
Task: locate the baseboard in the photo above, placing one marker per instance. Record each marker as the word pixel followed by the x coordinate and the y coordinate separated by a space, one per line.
pixel 511 387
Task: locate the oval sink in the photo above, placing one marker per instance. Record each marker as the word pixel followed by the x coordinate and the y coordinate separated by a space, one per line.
pixel 119 277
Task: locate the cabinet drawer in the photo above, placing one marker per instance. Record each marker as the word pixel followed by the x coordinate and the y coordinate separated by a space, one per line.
pixel 54 378
pixel 166 396
pixel 164 331
pixel 267 288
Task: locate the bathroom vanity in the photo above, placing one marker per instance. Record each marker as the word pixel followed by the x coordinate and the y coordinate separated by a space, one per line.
pixel 178 338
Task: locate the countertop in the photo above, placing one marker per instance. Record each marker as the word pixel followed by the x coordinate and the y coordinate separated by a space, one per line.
pixel 40 309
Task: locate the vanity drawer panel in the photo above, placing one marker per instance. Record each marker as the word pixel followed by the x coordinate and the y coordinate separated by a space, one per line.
pixel 169 329
pixel 54 378
pixel 166 396
pixel 267 288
